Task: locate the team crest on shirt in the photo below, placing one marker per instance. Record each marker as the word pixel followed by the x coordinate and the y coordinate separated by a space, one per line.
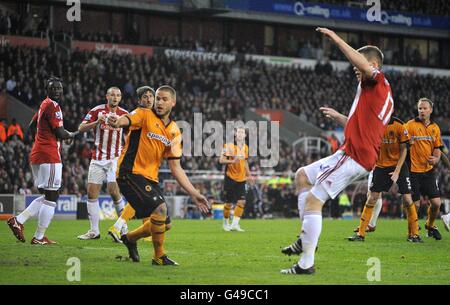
pixel 148 188
pixel 87 117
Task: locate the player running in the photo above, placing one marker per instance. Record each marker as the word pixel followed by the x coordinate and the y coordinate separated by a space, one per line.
pixel 107 149
pixel 370 113
pixel 425 153
pixel 237 172
pixel 46 165
pixel 154 137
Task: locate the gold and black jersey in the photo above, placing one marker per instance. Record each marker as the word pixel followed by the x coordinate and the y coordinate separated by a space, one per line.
pixel 148 142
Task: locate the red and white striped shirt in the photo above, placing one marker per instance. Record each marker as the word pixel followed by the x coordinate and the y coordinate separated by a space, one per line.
pixel 107 140
pixel 368 118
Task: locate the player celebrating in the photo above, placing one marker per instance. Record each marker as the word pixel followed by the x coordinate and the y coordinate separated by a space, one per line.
pixel 326 178
pixel 154 136
pixel 46 165
pixel 146 99
pixel 107 149
pixel 425 153
pixel 235 157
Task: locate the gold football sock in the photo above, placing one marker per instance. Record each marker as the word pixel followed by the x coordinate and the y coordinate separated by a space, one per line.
pixel 239 209
pixel 365 218
pixel 158 227
pixel 227 210
pixel 128 212
pixel 432 214
pixel 411 214
pixel 142 231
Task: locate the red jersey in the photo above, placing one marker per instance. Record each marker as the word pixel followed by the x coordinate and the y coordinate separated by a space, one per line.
pixel 46 147
pixel 368 118
pixel 107 140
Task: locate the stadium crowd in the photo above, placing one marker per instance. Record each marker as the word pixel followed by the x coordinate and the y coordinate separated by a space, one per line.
pixel 218 90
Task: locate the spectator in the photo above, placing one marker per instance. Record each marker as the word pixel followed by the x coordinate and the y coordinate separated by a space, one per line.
pixel 15 129
pixel 2 131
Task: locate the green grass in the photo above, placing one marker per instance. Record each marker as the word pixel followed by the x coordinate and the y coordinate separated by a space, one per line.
pixel 208 255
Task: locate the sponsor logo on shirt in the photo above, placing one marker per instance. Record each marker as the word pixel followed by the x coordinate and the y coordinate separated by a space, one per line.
pixel 159 137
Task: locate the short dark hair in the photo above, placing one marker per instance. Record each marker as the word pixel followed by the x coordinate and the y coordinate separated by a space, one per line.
pixel 170 89
pixel 51 80
pixel 143 90
pixel 372 52
pixel 425 99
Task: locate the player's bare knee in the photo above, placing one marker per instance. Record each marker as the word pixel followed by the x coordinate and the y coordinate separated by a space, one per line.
pixel 407 200
pixel 301 179
pixel 93 191
pixel 313 203
pixel 113 190
pixel 161 209
pixel 372 199
pixel 435 202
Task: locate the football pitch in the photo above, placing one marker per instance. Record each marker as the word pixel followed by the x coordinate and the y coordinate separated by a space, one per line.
pixel 208 255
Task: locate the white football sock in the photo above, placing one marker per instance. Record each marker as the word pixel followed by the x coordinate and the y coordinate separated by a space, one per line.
pixel 119 205
pixel 46 213
pixel 120 222
pixel 235 221
pixel 376 212
pixel 93 208
pixel 301 201
pixel 31 210
pixel 226 221
pixel 311 228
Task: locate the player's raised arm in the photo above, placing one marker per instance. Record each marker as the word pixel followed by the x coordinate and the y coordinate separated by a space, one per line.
pixel 183 180
pixel 86 125
pixel 356 59
pixel 334 115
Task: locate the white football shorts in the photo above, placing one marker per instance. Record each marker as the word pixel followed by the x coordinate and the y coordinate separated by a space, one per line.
pixel 101 171
pixel 47 176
